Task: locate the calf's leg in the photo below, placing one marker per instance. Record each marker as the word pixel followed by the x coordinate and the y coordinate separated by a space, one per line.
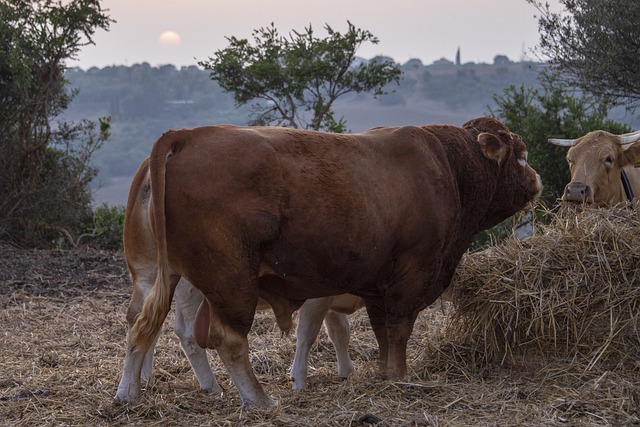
pixel 337 325
pixel 188 299
pixel 312 313
pixel 143 278
pixel 142 336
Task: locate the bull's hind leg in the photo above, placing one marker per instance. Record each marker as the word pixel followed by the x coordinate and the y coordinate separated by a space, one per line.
pixel 234 352
pixel 142 336
pixel 230 311
pixel 188 299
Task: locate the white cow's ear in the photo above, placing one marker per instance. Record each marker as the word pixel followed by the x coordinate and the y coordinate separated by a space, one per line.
pixel 492 146
pixel 632 155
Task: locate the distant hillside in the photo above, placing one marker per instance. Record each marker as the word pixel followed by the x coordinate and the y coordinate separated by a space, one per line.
pixel 144 101
pixel 439 93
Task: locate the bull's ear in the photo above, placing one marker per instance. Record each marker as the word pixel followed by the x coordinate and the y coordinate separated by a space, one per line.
pixel 492 146
pixel 632 155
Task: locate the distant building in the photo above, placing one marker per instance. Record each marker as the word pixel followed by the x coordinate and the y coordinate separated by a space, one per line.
pixel 458 57
pixel 442 61
pixel 413 64
pixel 381 59
pixel 501 60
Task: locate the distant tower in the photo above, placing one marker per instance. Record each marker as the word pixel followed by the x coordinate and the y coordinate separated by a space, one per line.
pixel 458 57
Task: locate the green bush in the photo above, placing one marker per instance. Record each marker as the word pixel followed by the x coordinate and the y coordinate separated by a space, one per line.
pixel 106 232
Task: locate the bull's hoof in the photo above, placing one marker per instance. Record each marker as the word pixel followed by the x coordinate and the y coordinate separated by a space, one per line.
pixel 117 401
pixel 263 404
pixel 298 384
pixel 121 400
pixel 346 372
pixel 216 390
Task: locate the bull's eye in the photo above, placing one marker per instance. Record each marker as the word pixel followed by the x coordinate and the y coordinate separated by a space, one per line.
pixel 523 160
pixel 608 161
pixel 570 162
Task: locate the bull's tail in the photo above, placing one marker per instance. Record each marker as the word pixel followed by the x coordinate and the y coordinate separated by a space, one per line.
pixel 158 303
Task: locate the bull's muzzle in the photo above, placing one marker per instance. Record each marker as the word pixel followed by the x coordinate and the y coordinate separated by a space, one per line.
pixel 577 192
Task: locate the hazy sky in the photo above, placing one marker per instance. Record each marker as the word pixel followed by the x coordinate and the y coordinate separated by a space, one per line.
pixel 423 29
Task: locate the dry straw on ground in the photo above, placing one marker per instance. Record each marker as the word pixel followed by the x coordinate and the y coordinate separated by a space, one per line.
pixel 545 335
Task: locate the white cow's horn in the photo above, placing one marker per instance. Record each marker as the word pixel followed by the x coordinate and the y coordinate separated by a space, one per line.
pixel 629 138
pixel 563 142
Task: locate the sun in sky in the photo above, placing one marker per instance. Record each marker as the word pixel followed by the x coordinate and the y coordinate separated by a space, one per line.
pixel 169 39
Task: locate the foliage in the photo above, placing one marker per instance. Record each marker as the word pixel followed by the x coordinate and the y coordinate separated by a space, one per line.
pixel 539 114
pixel 496 233
pixel 593 45
pixel 44 167
pixel 297 79
pixel 108 222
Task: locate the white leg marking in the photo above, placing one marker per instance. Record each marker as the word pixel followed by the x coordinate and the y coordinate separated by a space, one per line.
pixel 337 325
pixel 310 319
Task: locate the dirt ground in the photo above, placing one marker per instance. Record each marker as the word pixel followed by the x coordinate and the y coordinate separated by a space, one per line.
pixel 62 327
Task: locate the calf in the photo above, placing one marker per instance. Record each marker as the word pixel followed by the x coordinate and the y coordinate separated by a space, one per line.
pixel 333 310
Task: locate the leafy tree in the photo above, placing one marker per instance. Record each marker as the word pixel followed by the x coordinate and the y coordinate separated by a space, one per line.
pixel 44 166
pixel 538 114
pixel 297 79
pixel 594 45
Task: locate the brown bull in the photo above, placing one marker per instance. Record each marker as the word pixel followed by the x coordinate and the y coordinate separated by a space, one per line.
pixel 287 215
pixel 602 168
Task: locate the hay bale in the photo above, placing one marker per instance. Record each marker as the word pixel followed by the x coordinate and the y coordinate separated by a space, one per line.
pixel 570 291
